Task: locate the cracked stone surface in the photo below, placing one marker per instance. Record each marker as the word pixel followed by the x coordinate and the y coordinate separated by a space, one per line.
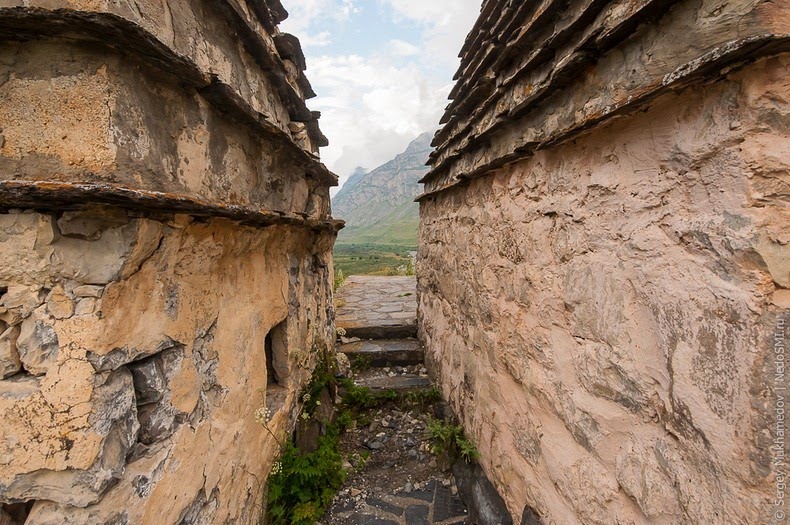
pixel 150 397
pixel 377 307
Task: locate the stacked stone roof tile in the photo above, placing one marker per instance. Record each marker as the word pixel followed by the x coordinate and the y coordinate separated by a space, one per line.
pixel 537 73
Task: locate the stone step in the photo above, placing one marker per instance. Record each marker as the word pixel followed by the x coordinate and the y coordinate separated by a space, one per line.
pixel 380 329
pixel 385 352
pixel 377 381
pixel 372 307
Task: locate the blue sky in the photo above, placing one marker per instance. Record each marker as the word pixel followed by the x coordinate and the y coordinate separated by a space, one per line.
pixel 382 70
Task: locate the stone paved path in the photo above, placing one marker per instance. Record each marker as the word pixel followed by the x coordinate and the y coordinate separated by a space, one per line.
pixel 433 503
pixel 374 307
pixel 399 482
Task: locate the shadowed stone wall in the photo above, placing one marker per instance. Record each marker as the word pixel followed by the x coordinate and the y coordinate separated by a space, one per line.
pixel 166 268
pixel 604 257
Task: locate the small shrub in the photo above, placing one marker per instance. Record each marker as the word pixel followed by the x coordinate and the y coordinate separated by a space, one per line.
pixel 359 398
pixel 345 419
pixel 339 279
pixel 360 363
pixel 450 440
pixel 303 486
pixel 467 450
pixel 423 398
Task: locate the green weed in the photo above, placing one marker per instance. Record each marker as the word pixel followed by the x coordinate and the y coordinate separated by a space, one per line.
pixel 303 485
pixel 450 440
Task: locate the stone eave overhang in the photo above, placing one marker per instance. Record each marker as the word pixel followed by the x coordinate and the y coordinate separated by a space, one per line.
pixel 128 38
pixel 63 196
pixel 498 119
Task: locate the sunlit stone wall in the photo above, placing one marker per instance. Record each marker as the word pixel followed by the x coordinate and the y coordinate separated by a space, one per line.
pixel 604 257
pixel 165 258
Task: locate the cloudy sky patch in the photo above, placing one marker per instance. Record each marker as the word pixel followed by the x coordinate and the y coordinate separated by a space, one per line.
pixel 382 70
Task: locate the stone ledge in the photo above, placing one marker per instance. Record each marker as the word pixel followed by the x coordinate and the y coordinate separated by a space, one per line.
pixel 64 195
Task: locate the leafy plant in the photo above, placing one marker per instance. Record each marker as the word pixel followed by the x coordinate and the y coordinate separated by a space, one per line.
pixel 303 485
pixel 339 278
pixel 467 450
pixel 450 440
pixel 360 363
pixel 323 379
pixel 345 419
pixel 423 398
pixel 361 397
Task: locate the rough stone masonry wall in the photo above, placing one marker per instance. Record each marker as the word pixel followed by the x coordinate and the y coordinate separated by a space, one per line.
pixel 603 265
pixel 165 258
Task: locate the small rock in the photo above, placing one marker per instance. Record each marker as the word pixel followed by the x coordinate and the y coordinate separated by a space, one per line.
pixel 410 442
pixel 149 380
pixel 59 305
pixel 355 492
pixel 374 445
pixel 735 124
pixel 342 365
pixel 10 363
pixel 408 488
pixel 454 490
pixel 413 454
pixel 86 306
pixel 89 290
pixel 433 463
pixel 37 343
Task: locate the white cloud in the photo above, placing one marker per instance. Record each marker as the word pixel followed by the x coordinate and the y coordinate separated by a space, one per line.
pixel 446 24
pixel 304 14
pixel 403 49
pixel 374 109
pixel 375 101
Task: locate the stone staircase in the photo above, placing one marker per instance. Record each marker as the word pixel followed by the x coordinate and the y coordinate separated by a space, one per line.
pixel 379 317
pixel 400 483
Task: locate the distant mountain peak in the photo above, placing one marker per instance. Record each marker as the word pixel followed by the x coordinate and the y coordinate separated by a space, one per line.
pixel 378 206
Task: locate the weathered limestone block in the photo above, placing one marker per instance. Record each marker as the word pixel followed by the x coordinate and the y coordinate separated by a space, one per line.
pixel 59 304
pixel 37 343
pixel 87 290
pixel 597 297
pixel 71 463
pixel 10 363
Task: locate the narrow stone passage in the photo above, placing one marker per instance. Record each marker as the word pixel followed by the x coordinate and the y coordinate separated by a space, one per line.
pixel 395 479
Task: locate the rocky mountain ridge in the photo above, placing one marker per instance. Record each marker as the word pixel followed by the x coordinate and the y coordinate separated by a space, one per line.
pixel 378 206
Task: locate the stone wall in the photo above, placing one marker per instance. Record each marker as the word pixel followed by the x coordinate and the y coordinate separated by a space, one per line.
pixel 166 268
pixel 604 257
